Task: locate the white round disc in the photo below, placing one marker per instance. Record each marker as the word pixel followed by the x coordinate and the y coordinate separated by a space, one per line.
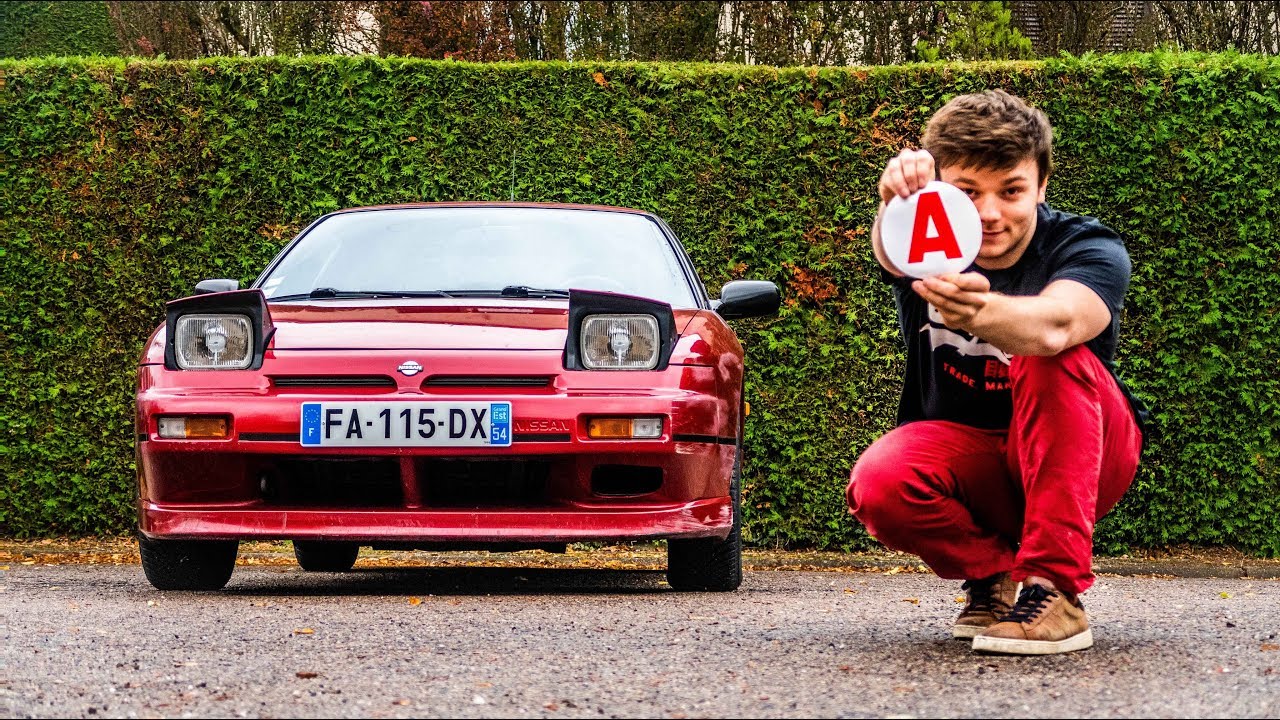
pixel 934 231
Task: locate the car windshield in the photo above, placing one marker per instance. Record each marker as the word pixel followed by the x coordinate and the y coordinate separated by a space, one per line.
pixel 480 251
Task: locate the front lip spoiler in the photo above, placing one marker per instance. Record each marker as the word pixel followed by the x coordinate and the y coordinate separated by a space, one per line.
pixel 711 517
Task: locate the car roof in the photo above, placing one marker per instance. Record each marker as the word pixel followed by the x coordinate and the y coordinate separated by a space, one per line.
pixel 496 204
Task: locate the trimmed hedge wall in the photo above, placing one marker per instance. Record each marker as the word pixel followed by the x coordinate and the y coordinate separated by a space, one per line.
pixel 124 182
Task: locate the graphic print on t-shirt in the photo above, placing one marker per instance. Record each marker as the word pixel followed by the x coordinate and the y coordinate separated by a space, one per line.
pixel 963 342
pixel 967 359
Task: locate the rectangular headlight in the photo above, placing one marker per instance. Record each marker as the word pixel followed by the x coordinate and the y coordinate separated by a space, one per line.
pixel 619 342
pixel 213 342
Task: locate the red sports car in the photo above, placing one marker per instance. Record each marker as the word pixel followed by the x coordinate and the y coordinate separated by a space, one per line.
pixel 449 376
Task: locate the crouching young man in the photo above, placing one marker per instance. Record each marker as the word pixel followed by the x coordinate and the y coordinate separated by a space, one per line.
pixel 1015 435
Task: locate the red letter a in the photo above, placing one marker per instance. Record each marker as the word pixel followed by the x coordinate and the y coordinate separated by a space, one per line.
pixel 929 206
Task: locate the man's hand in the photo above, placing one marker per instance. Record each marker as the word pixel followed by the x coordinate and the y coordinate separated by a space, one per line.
pixel 910 171
pixel 959 297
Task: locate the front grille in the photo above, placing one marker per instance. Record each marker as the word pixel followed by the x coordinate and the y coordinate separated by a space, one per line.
pixel 509 381
pixel 332 381
pixel 484 483
pixel 333 482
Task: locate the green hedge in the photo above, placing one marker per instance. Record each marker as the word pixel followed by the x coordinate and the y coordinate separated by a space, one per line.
pixel 125 182
pixel 29 29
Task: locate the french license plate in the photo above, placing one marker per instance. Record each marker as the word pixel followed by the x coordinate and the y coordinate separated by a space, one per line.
pixel 400 424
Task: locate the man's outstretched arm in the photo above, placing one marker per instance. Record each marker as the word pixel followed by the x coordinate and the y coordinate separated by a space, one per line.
pixel 1065 314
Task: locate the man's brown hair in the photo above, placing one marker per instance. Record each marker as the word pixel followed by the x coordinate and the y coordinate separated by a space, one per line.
pixel 990 130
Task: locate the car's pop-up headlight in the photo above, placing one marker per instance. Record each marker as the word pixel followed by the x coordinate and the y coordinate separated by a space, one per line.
pixel 217 331
pixel 609 331
pixel 620 342
pixel 213 342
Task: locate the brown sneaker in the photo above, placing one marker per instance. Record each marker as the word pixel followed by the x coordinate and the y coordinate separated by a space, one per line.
pixel 989 600
pixel 1044 622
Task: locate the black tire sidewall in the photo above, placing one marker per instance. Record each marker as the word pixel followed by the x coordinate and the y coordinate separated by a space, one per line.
pixel 188 564
pixel 325 555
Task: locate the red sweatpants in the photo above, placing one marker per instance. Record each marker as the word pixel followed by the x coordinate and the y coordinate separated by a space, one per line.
pixel 972 503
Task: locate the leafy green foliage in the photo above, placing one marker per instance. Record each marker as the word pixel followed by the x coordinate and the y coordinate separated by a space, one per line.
pixel 125 182
pixel 977 31
pixel 55 28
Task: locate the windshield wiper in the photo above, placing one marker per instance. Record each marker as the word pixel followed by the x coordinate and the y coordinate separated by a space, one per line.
pixel 526 291
pixel 512 291
pixel 328 292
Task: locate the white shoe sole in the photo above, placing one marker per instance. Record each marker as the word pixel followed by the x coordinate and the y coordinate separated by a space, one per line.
pixel 1008 646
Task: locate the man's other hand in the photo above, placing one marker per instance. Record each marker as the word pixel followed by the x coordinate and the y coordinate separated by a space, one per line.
pixel 959 297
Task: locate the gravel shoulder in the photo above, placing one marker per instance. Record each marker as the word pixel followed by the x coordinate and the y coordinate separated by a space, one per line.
pixel 1169 563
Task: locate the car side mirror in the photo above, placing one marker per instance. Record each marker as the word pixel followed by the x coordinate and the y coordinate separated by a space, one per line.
pixel 205 287
pixel 747 298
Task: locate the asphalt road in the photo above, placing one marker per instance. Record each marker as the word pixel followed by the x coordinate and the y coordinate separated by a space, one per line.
pixel 98 641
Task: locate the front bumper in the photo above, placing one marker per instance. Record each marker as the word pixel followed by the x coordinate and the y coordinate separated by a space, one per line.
pixel 553 484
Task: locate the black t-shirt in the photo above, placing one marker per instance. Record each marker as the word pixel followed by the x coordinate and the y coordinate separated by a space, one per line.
pixel 952 375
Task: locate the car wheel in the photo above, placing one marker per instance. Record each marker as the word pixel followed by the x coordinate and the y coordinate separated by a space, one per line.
pixel 711 564
pixel 325 556
pixel 188 564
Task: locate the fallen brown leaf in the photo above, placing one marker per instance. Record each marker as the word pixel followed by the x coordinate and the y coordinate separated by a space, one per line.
pixel 415 601
pixel 303 631
pixel 1270 647
pixel 912 600
pixel 307 674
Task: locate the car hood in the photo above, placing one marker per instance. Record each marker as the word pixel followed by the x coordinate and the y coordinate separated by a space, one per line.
pixel 430 325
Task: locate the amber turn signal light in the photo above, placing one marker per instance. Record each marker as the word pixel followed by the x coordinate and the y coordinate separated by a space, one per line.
pixel 195 428
pixel 644 428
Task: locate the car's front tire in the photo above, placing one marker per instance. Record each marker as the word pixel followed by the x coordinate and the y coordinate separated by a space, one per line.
pixel 188 564
pixel 325 556
pixel 711 564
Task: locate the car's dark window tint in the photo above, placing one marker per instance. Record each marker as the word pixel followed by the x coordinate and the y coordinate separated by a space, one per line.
pixel 421 249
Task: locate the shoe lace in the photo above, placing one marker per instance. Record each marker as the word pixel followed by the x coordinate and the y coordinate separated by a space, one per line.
pixel 982 594
pixel 1031 602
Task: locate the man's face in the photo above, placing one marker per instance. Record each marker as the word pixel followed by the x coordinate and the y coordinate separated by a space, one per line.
pixel 1006 201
